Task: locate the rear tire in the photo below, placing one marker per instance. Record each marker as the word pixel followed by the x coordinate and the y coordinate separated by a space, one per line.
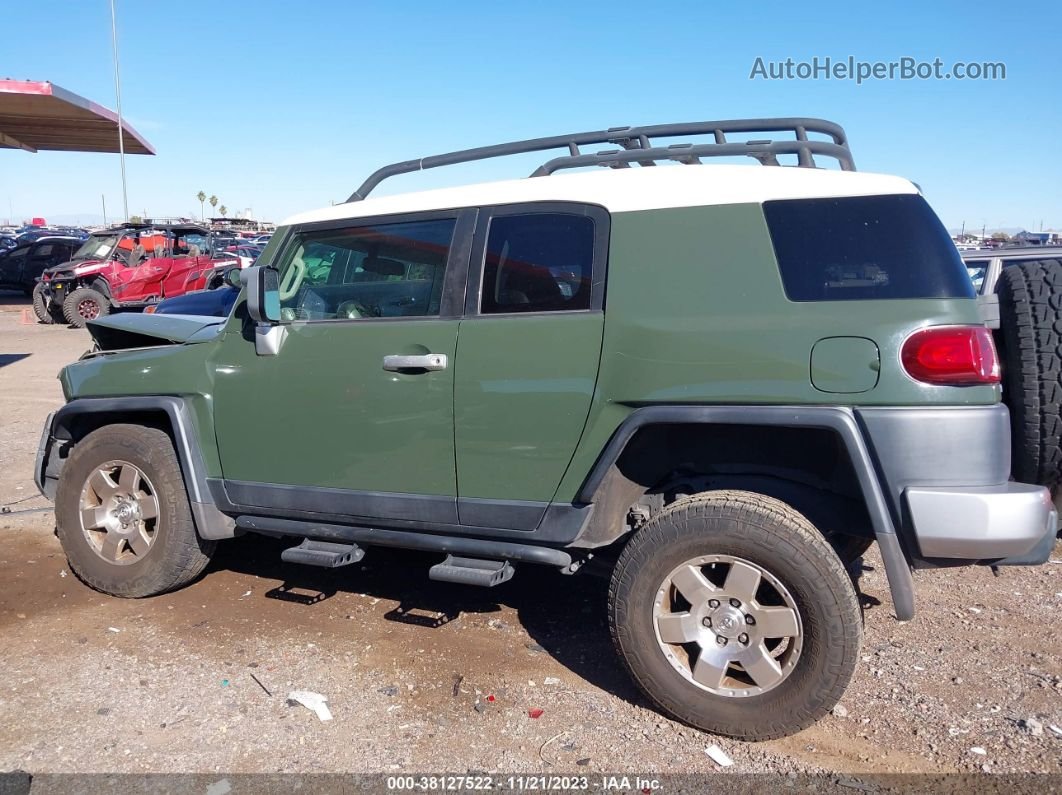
pixel 1030 299
pixel 40 305
pixel 85 304
pixel 128 473
pixel 787 579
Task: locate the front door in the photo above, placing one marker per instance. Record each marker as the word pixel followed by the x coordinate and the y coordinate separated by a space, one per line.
pixel 354 414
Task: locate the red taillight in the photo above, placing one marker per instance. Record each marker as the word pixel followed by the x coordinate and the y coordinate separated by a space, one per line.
pixel 953 355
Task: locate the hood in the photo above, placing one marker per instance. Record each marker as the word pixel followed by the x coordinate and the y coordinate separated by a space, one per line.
pixel 75 266
pixel 121 332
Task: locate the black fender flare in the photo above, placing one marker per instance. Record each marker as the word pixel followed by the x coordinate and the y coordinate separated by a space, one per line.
pixel 209 521
pixel 840 420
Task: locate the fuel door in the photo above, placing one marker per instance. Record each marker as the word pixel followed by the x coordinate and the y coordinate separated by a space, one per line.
pixel 845 365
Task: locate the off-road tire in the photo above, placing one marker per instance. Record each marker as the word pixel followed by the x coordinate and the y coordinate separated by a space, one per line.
pixel 73 302
pixel 177 555
pixel 769 533
pixel 40 305
pixel 1030 307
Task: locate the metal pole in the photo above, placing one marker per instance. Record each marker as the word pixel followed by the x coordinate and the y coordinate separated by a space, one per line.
pixel 104 200
pixel 118 94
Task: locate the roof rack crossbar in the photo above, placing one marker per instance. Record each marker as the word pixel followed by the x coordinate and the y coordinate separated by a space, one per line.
pixel 637 144
pixel 764 152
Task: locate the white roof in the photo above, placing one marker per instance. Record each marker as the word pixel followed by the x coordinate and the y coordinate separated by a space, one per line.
pixel 631 189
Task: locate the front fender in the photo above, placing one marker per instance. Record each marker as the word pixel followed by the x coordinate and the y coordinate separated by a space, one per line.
pixel 65 427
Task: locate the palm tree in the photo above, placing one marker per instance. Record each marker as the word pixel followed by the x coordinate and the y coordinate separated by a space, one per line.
pixel 223 210
pixel 213 201
pixel 202 198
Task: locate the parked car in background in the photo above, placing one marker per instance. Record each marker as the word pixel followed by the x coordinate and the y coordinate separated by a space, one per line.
pixel 216 302
pixel 128 267
pixel 7 241
pixel 262 240
pixel 246 254
pixel 22 266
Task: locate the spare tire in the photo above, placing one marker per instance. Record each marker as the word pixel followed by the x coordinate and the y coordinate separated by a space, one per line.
pixel 1030 319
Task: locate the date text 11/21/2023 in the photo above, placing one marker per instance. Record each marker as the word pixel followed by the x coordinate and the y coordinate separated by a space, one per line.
pixel 518 783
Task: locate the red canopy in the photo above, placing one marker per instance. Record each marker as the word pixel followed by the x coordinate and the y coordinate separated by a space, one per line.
pixel 41 115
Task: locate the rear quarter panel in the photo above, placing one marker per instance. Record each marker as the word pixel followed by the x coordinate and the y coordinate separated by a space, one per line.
pixel 696 313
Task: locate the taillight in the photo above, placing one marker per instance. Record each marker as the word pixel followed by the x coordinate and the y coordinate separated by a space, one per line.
pixel 952 355
pixel 150 309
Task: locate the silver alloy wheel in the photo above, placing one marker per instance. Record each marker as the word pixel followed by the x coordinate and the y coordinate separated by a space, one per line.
pixel 727 625
pixel 119 512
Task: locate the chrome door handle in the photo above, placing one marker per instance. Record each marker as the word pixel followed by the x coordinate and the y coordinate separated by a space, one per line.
pixel 429 361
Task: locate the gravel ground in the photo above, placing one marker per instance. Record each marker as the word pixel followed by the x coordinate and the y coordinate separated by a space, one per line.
pixel 430 677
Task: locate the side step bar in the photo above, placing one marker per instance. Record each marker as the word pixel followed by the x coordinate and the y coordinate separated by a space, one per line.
pixel 472 571
pixel 452 545
pixel 323 553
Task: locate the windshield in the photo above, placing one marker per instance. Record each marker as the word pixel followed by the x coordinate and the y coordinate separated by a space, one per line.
pixel 97 247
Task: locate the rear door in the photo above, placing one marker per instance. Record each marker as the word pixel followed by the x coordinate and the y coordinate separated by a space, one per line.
pixel 12 264
pixel 527 356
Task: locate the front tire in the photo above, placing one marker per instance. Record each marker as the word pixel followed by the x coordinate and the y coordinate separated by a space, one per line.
pixel 40 305
pixel 85 304
pixel 734 615
pixel 123 517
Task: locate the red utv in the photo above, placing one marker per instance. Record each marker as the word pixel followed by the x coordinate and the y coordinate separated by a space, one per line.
pixel 129 267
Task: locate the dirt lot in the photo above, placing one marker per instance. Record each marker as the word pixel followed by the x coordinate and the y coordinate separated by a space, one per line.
pixel 196 681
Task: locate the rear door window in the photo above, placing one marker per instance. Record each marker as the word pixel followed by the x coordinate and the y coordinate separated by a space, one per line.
pixel 864 248
pixel 538 262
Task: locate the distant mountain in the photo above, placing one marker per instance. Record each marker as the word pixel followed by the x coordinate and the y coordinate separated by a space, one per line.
pixel 989 230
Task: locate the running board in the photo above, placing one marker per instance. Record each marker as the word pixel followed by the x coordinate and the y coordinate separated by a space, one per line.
pixel 325 554
pixel 472 571
pixel 406 539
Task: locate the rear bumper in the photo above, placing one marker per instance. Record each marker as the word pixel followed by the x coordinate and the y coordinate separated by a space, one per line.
pixel 1012 523
pixel 946 471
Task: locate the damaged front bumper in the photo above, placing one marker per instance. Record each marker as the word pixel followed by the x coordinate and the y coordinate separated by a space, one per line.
pixel 46 481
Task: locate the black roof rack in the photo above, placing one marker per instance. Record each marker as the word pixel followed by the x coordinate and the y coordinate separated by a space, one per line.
pixel 636 146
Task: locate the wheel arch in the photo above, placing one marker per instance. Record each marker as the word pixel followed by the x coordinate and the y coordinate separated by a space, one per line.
pixel 647 454
pixel 172 415
pixel 101 286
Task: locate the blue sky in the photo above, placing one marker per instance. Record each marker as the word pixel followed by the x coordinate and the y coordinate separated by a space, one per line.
pixel 285 106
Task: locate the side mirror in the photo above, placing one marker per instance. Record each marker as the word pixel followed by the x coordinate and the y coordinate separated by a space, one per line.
pixel 263 294
pixel 233 278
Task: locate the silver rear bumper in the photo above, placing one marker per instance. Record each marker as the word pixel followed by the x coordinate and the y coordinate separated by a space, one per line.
pixel 985 523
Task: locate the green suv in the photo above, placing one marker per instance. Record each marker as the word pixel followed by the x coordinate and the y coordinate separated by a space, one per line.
pixel 725 382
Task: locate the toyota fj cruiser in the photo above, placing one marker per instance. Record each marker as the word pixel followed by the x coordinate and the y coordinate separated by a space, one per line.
pixel 727 381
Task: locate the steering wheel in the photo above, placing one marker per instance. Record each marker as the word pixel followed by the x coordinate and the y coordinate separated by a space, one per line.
pixel 292 278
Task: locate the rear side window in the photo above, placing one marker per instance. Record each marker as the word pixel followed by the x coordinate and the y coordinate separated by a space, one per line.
pixel 538 262
pixel 977 268
pixel 864 248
